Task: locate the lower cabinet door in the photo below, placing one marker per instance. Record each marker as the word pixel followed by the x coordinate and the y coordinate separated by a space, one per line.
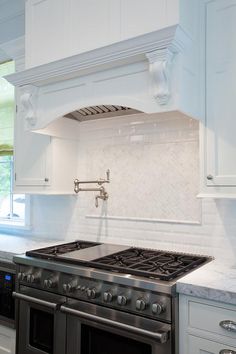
pixel 203 346
pixel 7 340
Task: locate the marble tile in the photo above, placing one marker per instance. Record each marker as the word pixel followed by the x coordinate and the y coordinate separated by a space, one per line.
pixel 214 281
pixel 12 245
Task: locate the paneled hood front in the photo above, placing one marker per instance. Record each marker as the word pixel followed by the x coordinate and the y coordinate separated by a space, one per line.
pixel 151 73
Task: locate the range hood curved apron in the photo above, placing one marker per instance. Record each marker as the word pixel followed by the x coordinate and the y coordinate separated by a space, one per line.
pixel 143 74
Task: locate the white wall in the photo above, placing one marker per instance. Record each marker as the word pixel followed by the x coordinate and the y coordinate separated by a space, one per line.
pixel 152 203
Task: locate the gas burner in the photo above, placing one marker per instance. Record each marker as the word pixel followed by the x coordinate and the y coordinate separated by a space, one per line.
pixel 149 263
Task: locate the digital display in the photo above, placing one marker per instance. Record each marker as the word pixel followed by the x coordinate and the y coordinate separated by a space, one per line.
pixel 8 277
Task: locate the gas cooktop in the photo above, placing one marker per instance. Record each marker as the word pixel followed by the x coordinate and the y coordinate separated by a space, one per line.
pixel 148 263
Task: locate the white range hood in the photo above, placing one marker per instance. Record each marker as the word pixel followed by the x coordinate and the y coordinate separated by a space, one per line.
pixel 151 73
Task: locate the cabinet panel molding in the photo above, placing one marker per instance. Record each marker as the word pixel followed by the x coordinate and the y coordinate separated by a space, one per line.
pixel 219 165
pixel 199 324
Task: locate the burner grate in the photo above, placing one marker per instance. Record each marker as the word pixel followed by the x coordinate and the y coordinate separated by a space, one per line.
pixel 149 263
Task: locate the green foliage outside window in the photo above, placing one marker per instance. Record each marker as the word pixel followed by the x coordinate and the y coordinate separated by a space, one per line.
pixel 5 176
pixel 7 108
pixel 12 206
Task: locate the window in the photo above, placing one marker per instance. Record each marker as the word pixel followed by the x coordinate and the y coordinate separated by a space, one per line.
pixel 12 206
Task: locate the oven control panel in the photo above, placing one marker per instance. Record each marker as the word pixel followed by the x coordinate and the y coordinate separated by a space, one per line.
pixel 7 286
pixel 132 299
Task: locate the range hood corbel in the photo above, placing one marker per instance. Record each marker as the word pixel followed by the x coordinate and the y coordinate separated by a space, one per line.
pixel 28 99
pixel 159 67
pixel 143 74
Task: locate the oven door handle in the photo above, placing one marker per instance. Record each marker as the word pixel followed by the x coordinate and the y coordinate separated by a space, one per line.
pixel 162 336
pixel 35 300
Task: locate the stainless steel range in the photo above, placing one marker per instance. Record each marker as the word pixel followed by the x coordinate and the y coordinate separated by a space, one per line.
pixel 90 298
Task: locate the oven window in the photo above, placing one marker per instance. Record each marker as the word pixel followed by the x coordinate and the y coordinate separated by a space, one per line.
pixel 41 330
pixel 96 341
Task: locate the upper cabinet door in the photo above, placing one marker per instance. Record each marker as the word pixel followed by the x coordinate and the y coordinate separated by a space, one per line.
pixel 221 93
pixel 32 158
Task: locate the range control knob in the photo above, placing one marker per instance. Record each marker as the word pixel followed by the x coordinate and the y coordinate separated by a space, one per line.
pixel 67 288
pixel 141 304
pixel 107 296
pixel 158 308
pixel 21 276
pixel 122 300
pixel 91 293
pixel 70 287
pixel 50 283
pixel 33 277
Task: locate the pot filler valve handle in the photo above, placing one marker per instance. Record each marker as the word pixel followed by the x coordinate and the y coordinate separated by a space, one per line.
pixel 76 186
pixel 102 192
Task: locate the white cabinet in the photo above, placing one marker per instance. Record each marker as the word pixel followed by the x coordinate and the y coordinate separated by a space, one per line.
pixel 7 340
pixel 201 328
pixel 203 346
pixel 43 164
pixel 219 167
pixel 32 156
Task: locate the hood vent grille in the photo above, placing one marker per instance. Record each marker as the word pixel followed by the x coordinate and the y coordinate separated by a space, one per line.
pixel 102 111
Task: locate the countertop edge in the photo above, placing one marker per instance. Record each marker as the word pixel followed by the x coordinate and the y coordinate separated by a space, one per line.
pixel 214 281
pixel 219 295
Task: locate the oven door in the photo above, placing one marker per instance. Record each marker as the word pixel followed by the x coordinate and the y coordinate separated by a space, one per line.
pixel 41 327
pixel 94 329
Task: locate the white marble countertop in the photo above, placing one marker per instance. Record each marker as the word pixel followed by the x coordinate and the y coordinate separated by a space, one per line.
pixel 214 281
pixel 12 245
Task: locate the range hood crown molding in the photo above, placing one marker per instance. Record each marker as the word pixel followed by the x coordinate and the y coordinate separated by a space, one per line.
pixel 124 52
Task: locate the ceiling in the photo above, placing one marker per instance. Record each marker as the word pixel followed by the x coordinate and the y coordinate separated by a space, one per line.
pixel 12 19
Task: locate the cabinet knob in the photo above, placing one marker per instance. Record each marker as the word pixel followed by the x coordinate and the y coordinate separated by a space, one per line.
pixel 46 179
pixel 228 325
pixel 210 177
